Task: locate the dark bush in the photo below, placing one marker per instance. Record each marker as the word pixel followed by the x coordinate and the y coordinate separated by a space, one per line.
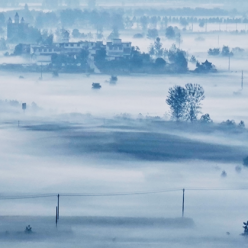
pixel 245 161
pixel 206 119
pixel 159 62
pixel 214 51
pixel 138 36
pixel 152 33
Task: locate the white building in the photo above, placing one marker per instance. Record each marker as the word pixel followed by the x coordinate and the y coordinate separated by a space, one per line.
pixel 114 50
pixel 118 49
pixel 70 48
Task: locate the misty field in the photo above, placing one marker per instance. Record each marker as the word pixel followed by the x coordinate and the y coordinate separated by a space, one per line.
pixel 86 141
pixel 117 148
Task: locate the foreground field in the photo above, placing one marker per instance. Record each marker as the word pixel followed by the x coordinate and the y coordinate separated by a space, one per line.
pixel 119 140
pixel 97 157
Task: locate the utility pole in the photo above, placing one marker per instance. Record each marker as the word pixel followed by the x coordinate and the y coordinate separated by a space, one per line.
pixel 56 219
pixel 183 204
pixel 58 207
pixel 229 62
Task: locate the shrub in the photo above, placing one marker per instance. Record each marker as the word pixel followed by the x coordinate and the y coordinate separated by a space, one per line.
pixel 241 124
pixel 223 174
pixel 138 36
pixel 229 123
pixel 206 119
pixel 245 161
pixel 152 33
pixel 214 51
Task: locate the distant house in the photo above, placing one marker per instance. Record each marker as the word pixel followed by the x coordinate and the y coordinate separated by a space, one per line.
pixel 16 30
pixel 41 53
pixel 44 52
pixel 118 49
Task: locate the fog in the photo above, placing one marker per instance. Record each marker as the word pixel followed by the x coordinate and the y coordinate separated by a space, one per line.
pixel 116 157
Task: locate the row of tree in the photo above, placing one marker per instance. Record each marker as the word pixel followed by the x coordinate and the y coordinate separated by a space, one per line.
pixel 108 18
pixel 225 51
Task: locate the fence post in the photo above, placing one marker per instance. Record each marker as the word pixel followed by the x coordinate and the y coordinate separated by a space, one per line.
pixel 58 207
pixel 56 219
pixel 183 204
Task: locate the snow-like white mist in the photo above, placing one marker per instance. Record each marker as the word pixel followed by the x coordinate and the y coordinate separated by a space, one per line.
pixel 119 140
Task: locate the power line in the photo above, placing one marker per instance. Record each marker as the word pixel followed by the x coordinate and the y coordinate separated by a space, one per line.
pixel 36 196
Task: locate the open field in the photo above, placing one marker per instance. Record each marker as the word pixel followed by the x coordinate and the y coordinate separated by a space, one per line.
pixel 124 160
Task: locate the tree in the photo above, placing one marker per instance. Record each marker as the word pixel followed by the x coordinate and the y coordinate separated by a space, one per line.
pixel 177 100
pixel 39 21
pixel 76 33
pixel 3 45
pixel 152 33
pixel 184 22
pixel 178 59
pixel 160 63
pixel 100 55
pixel 214 51
pixel 83 56
pixel 2 20
pixel 195 94
pixel 48 40
pixel 114 34
pixel 128 23
pixel 158 47
pixel 245 161
pixel 245 228
pixel 117 21
pixel 154 21
pixel 170 33
pixel 151 50
pixel 229 123
pixel 26 8
pixel 241 124
pixel 18 49
pixel 205 67
pixel 206 119
pixel 193 59
pixel 226 51
pixel 144 23
pixel 201 23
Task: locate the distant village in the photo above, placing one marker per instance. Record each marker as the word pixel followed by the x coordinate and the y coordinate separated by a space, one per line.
pixel 111 57
pixel 44 54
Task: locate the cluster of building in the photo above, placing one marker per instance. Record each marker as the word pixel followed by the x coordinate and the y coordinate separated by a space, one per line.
pixel 115 49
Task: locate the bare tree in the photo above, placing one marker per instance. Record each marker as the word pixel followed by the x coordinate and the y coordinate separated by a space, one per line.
pixel 195 94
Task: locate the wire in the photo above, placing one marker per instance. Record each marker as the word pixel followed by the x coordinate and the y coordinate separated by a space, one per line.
pixel 36 196
pixel 125 194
